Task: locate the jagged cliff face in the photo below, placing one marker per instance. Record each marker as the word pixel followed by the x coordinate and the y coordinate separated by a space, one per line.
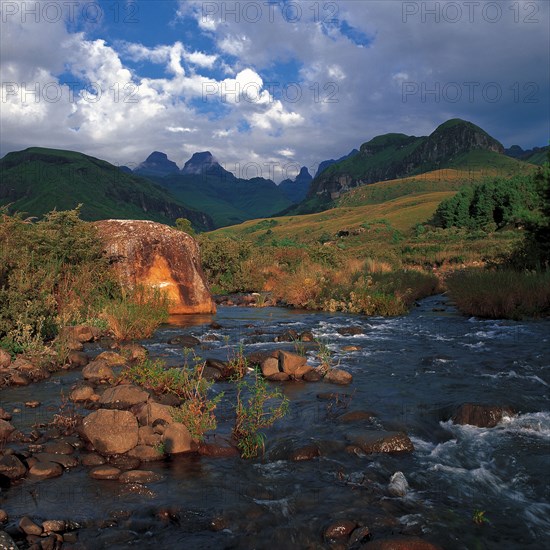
pixel 158 256
pixel 396 156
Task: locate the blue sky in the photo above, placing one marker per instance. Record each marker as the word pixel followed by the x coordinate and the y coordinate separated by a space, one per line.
pixel 278 84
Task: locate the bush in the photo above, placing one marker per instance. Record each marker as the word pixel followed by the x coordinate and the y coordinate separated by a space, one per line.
pixel 501 294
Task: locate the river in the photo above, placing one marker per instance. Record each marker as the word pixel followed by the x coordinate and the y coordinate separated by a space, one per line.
pixel 411 371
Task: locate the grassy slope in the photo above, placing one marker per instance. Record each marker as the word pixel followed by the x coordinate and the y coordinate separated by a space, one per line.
pixel 37 180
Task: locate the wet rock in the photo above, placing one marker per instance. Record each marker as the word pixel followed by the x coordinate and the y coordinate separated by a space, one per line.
pixel 307 452
pixel 384 442
pixel 4 415
pixel 12 467
pixel 54 525
pixel 350 331
pixel 215 325
pixel 139 476
pixel 356 416
pixel 3 516
pixel 338 376
pixel 24 366
pixel 6 542
pixel 340 529
pixel 111 431
pixel 217 451
pixel 77 358
pixel 312 376
pixel 66 461
pixel 287 336
pixel 111 358
pixel 333 396
pixel 278 377
pixel 125 462
pixel 270 366
pixel 158 256
pixel 32 404
pixel 361 535
pixel 46 470
pixel 290 362
pixel 149 412
pixel 177 439
pixel 82 392
pixel 147 453
pixel 123 397
pixel 184 340
pixel 5 359
pixel 398 486
pixel 482 416
pixel 301 372
pixel 401 544
pixel 307 337
pixel 18 379
pixel 97 371
pixel 92 459
pixel 6 429
pixel 351 348
pixel 105 472
pixel 29 527
pixel 212 374
pixel 134 352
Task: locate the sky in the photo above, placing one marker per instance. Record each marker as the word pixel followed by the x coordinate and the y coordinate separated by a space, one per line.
pixel 267 86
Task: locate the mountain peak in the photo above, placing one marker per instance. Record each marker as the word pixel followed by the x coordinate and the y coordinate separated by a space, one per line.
pixel 157 164
pixel 200 163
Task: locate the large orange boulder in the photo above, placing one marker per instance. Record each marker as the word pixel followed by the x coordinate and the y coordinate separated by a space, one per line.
pixel 155 255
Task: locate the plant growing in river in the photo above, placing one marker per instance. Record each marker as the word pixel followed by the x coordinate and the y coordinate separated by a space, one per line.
pixel 253 414
pixel 325 357
pixel 238 363
pixel 479 517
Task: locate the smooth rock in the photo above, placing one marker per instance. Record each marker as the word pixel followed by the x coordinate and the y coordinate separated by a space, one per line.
pixel 290 362
pixel 80 333
pixel 18 379
pixel 177 439
pixel 147 436
pixel 4 414
pixel 5 359
pixel 123 397
pixel 351 348
pixel 482 416
pixel 111 358
pixel 146 453
pixel 125 462
pixel 67 461
pixel 111 431
pixel 3 516
pixel 134 352
pixel 82 392
pixel 401 544
pixel 149 412
pixel 54 525
pixel 278 377
pixel 28 526
pixel 312 376
pixel 398 485
pixel 6 542
pixel 77 358
pixel 184 340
pixel 105 472
pixel 6 429
pixel 92 459
pixel 341 529
pixel 218 451
pixel 307 452
pixel 350 331
pixel 97 371
pixel 356 416
pixel 46 470
pixel 24 365
pixel 384 442
pixel 338 376
pixel 12 467
pixel 270 366
pixel 361 535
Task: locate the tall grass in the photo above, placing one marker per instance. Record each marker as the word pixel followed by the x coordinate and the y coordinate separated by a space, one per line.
pixel 501 294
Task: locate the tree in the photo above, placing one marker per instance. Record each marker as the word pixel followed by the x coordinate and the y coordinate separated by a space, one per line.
pixel 183 224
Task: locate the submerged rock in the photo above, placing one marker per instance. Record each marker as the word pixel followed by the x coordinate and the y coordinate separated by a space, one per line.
pixel 338 376
pixel 401 544
pixel 383 442
pixel 339 530
pixel 398 485
pixel 482 416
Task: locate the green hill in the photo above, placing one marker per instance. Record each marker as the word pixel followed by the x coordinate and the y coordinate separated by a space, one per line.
pixel 38 180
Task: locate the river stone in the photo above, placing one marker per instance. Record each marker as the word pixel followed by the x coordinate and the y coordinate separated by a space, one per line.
pixel 360 536
pixel 12 467
pixel 177 439
pixel 149 412
pixel 312 376
pixel 384 442
pixel 278 377
pixel 5 359
pixel 58 448
pixel 341 529
pixel 290 362
pixel 146 453
pixel 139 476
pixel 66 461
pixel 356 416
pixel 212 374
pixel 307 336
pixel 105 472
pixel 350 331
pixel 184 340
pixel 46 470
pixel 125 462
pixel 134 352
pixel 401 544
pixel 97 371
pixel 398 486
pixel 217 451
pixel 18 379
pixel 54 525
pixel 302 371
pixel 4 414
pixel 23 365
pixel 28 526
pixel 123 396
pixel 111 431
pixel 351 348
pixel 6 542
pixel 77 358
pixel 92 459
pixel 270 366
pixel 82 392
pixel 80 333
pixel 3 516
pixel 307 452
pixel 482 416
pixel 111 358
pixel 6 429
pixel 338 376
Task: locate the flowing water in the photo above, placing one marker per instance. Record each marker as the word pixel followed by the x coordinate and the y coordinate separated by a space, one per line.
pixel 411 371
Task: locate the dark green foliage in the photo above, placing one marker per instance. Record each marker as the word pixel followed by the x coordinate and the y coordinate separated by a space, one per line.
pixel 493 204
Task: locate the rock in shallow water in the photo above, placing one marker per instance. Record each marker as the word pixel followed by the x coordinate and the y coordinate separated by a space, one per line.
pixel 111 431
pixel 482 416
pixel 383 442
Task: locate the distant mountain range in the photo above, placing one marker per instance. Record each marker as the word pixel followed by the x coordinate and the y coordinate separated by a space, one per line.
pixel 38 180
